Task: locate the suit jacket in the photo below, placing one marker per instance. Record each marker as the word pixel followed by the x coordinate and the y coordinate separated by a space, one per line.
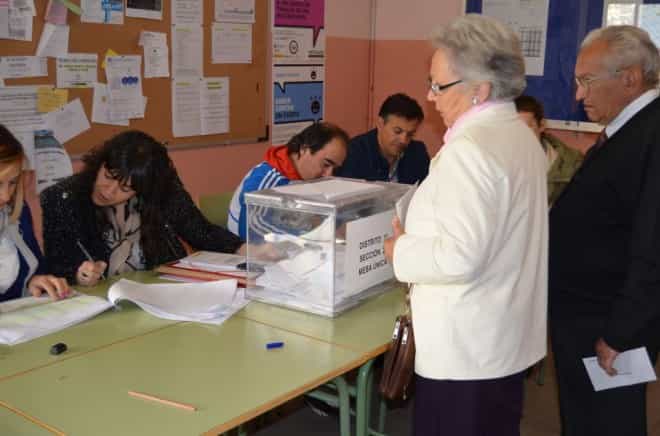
pixel 475 249
pixel 605 236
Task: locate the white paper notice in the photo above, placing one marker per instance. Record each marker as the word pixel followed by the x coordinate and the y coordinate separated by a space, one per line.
pixel 102 11
pixel 20 25
pixel 150 9
pixel 232 43
pixel 77 70
pixel 23 66
pixel 153 38
pixel 54 41
pixel 187 11
pixel 365 264
pixel 4 20
pixel 18 112
pixel 68 122
pixel 530 20
pixel 186 107
pixel 187 50
pixel 633 367
pixel 52 162
pixel 402 204
pixel 235 11
pixel 215 105
pixel 101 107
pixel 156 59
pixel 124 86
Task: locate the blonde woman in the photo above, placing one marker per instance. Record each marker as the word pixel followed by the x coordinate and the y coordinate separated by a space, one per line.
pixel 21 269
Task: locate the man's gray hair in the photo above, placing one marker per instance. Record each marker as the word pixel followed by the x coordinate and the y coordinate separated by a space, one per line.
pixel 481 49
pixel 628 46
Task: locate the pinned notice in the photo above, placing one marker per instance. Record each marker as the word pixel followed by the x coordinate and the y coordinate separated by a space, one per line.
pixel 49 99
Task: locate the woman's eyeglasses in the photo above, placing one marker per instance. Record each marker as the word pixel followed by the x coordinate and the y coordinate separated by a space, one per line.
pixel 437 88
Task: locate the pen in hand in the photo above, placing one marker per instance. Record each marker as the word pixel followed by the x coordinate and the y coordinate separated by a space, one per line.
pixel 99 266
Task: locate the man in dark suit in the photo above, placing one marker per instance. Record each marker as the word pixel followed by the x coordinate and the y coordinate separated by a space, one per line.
pixel 605 236
pixel 388 153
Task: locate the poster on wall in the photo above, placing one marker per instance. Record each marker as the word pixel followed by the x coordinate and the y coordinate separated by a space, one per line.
pixel 298 66
pixel 530 20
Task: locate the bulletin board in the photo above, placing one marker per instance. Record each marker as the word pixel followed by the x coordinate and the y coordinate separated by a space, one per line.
pixel 247 82
pixel 569 21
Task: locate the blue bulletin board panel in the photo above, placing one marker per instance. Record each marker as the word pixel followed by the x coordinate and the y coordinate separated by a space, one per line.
pixel 568 23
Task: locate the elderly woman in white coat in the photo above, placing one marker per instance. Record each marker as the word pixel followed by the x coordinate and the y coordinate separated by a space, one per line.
pixel 475 243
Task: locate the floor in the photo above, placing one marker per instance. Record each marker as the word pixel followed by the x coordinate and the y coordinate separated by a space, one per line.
pixel 540 415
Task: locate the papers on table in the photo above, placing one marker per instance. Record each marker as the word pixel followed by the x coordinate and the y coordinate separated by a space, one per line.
pixel 209 302
pixel 329 189
pixel 30 318
pixel 213 261
pixel 633 367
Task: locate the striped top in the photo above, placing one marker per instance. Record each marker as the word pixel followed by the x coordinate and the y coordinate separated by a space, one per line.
pixel 263 176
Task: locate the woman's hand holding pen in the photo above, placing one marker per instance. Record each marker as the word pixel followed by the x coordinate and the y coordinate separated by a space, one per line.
pixel 56 287
pixel 89 273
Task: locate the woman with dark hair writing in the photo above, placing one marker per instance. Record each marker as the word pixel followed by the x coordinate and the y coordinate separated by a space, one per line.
pixel 126 210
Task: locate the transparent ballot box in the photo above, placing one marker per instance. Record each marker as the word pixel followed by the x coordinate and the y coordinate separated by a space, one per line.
pixel 318 246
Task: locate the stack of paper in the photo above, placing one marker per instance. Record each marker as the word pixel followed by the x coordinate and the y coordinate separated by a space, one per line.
pixel 29 318
pixel 209 302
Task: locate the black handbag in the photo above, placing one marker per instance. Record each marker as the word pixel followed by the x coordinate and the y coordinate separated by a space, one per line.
pixel 399 364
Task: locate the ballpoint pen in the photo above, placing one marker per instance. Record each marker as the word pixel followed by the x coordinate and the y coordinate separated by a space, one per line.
pixel 87 255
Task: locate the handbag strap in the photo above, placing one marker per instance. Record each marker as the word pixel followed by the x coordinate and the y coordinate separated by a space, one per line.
pixel 408 309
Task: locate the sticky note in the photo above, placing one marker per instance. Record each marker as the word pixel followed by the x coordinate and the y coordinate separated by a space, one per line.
pixel 109 52
pixel 49 99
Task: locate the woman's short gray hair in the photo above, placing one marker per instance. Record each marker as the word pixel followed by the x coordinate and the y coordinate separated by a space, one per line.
pixel 628 46
pixel 481 49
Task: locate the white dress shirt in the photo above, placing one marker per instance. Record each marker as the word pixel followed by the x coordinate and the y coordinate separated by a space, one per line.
pixel 475 249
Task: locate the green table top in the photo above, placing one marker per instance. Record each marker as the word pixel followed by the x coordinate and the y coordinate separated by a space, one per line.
pixel 224 370
pixel 366 328
pixel 14 424
pixel 107 328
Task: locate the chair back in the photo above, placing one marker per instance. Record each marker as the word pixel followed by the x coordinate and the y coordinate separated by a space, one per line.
pixel 215 207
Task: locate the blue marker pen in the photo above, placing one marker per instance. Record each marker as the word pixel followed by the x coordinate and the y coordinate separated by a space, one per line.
pixel 273 345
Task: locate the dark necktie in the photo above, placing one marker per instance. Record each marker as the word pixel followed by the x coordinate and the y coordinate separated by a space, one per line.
pixel 602 138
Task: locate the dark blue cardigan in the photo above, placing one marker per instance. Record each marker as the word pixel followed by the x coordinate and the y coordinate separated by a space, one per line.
pixel 26 230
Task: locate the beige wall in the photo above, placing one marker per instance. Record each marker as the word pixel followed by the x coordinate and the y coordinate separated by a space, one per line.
pixel 395 61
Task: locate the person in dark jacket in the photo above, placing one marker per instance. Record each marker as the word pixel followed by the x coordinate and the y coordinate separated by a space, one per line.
pixel 605 236
pixel 22 270
pixel 388 153
pixel 126 210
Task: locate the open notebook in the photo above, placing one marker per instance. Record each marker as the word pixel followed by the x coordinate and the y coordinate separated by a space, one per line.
pixel 28 318
pixel 208 302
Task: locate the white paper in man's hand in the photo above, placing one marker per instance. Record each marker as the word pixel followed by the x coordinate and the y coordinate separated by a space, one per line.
pixel 633 367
